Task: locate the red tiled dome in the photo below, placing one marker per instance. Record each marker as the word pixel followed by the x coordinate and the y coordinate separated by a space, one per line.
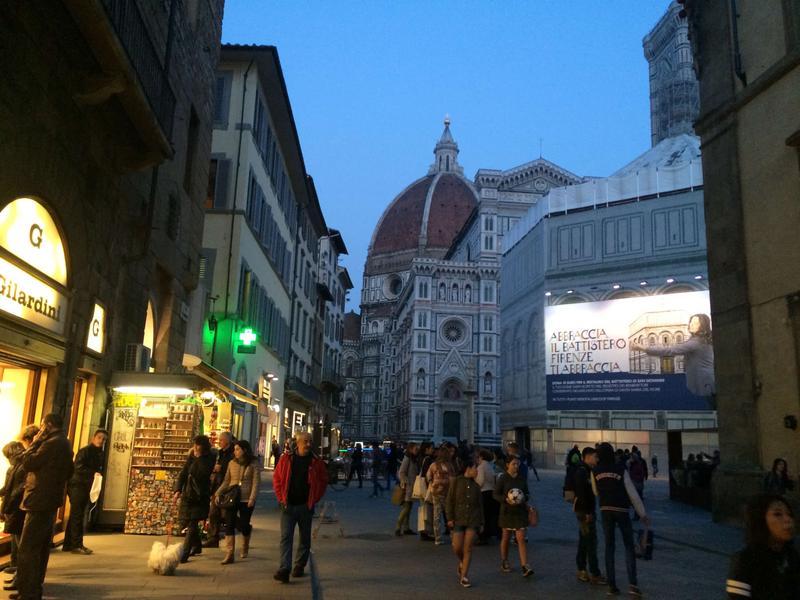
pixel 442 212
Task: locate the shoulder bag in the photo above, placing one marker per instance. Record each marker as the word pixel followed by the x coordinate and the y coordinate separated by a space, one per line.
pixel 420 488
pixel 231 497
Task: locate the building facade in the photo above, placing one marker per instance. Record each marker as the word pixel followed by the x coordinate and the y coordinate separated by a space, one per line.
pixel 637 234
pixel 748 63
pixel 106 163
pixel 256 192
pixel 350 408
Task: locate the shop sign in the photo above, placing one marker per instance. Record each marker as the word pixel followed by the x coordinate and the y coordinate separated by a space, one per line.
pixel 26 297
pixel 28 232
pixel 96 338
pixel 154 408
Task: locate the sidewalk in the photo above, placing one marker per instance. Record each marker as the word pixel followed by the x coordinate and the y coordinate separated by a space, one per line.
pixel 369 562
pixel 118 568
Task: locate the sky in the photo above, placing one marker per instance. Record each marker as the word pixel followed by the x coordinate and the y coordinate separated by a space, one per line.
pixel 370 83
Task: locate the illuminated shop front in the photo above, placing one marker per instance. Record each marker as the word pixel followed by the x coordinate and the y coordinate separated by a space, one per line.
pixel 154 419
pixel 34 308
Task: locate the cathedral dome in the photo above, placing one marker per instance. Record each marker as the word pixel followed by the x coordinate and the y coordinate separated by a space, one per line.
pixel 425 218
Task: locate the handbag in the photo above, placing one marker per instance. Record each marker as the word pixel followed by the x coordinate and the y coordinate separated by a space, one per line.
pixel 231 497
pixel 97 486
pixel 420 488
pixel 398 495
pixel 533 516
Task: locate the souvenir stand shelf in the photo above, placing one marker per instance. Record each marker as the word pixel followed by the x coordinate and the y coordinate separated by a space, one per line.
pixel 162 441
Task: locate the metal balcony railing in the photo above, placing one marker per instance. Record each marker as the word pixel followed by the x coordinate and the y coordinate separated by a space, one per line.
pixel 298 386
pixel 133 34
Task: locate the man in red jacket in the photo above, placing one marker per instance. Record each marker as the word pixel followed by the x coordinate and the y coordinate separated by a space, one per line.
pixel 299 482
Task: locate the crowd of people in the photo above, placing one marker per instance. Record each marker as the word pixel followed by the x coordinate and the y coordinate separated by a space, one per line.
pixel 466 496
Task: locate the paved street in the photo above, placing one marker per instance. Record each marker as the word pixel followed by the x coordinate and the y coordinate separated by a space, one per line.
pixel 690 559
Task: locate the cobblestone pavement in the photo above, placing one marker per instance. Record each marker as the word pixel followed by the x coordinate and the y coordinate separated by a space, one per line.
pixel 690 560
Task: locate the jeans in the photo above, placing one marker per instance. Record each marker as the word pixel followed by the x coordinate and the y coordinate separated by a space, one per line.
pixel 612 519
pixel 391 475
pixel 295 515
pixel 404 517
pixel 357 469
pixel 78 500
pixel 587 545
pixel 376 486
pixel 243 522
pixel 34 553
pixel 438 516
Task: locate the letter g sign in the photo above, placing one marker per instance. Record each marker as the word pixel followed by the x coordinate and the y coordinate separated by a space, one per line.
pixel 35 235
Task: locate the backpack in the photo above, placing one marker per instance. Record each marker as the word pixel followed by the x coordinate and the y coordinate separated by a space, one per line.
pixel 569 484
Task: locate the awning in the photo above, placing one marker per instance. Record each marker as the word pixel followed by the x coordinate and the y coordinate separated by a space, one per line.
pixel 223 384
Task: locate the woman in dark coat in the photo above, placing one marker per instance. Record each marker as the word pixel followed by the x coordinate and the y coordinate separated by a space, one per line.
pixel 194 490
pixel 11 494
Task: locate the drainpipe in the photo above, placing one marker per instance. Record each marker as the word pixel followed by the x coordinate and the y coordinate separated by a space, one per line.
pixel 235 192
pixel 737 53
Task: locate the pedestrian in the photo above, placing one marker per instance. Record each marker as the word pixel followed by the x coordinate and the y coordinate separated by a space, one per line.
pixel 299 482
pixel 637 468
pixel 356 466
pixel 654 465
pixel 275 451
pixel 768 568
pixel 392 465
pixel 11 514
pixel 408 474
pixel 530 460
pixel 438 477
pixel 193 489
pixel 221 462
pixel 425 512
pixel 511 491
pixel 617 494
pixel 491 509
pixel 777 480
pixel 88 462
pixel 465 517
pixel 586 513
pixel 48 466
pixel 573 456
pixel 514 452
pixel 243 472
pixel 377 467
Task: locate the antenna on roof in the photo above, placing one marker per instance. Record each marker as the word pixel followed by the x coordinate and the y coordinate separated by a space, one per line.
pixel 540 147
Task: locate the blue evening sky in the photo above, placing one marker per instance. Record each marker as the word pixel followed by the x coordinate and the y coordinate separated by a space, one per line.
pixel 371 81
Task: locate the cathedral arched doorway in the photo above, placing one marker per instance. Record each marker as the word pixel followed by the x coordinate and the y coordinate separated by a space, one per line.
pixel 451 424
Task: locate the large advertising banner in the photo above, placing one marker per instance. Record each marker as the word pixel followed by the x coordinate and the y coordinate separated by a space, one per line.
pixel 648 353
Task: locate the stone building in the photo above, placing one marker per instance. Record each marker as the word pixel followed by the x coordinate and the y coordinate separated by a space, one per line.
pixel 430 319
pixel 748 64
pixel 257 194
pixel 636 234
pixel 105 117
pixel 674 95
pixel 350 405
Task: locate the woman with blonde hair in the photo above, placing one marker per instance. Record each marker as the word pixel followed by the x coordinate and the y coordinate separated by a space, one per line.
pixel 243 471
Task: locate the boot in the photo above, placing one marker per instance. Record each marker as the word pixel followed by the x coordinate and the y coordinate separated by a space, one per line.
pixel 230 548
pixel 245 546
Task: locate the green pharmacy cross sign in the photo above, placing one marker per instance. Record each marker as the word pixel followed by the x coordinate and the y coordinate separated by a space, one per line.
pixel 248 339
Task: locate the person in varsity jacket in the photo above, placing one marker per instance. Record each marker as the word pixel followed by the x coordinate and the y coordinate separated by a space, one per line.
pixel 768 568
pixel 617 494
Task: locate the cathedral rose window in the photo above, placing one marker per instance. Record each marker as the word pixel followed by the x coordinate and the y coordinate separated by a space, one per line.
pixel 453 331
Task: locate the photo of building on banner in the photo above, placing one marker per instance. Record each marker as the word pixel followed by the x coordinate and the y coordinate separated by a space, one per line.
pixel 649 353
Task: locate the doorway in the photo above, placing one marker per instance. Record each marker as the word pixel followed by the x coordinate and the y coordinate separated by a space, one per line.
pixel 451 424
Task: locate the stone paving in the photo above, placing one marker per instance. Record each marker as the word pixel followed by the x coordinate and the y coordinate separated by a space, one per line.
pixel 690 560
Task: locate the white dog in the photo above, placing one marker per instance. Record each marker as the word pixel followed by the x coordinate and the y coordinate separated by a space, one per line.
pixel 164 559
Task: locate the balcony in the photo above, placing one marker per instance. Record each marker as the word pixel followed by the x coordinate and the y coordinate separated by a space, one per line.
pixel 331 379
pixel 133 68
pixel 295 385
